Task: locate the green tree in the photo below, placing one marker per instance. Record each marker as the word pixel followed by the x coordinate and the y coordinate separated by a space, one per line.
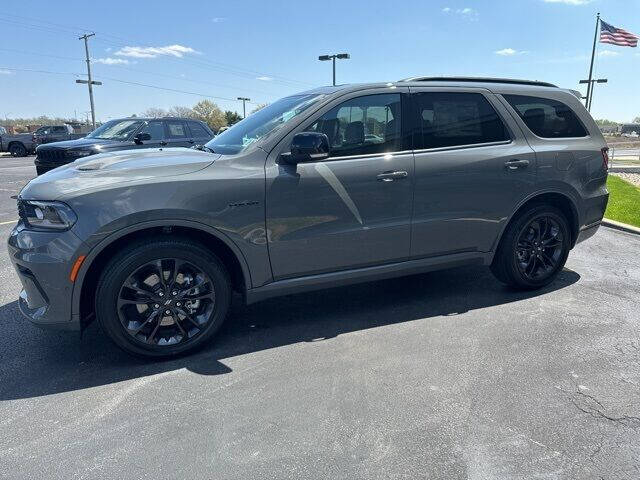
pixel 603 122
pixel 232 117
pixel 210 113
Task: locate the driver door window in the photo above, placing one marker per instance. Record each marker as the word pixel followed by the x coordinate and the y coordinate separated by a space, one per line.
pixel 362 126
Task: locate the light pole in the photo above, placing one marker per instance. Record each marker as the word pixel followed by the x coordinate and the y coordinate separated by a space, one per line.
pixel 340 56
pixel 244 105
pixel 590 87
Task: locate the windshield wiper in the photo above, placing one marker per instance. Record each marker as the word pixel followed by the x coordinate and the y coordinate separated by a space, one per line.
pixel 203 148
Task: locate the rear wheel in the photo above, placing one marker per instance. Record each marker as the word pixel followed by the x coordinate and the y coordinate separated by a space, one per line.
pixel 534 248
pixel 163 298
pixel 17 150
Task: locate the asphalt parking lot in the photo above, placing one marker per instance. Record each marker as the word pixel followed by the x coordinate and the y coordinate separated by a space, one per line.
pixel 444 375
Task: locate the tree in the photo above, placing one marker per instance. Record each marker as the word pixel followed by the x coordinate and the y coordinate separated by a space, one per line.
pixel 232 117
pixel 603 122
pixel 210 113
pixel 155 113
pixel 636 120
pixel 260 106
pixel 179 111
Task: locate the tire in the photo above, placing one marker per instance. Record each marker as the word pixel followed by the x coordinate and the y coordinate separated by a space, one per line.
pixel 527 261
pixel 17 150
pixel 118 305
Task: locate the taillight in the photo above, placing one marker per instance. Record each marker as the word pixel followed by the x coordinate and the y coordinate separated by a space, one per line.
pixel 605 157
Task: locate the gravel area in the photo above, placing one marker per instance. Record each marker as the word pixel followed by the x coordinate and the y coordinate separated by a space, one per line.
pixel 629 177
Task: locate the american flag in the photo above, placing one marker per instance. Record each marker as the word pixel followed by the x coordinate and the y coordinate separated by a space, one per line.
pixel 617 36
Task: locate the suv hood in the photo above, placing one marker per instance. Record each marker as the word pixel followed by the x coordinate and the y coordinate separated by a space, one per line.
pixel 108 169
pixel 83 142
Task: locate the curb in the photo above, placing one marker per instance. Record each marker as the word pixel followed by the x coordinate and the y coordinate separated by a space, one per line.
pixel 624 169
pixel 620 226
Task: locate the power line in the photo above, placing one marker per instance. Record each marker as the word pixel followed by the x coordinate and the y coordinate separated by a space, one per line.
pixel 101 77
pixel 137 70
pixel 204 63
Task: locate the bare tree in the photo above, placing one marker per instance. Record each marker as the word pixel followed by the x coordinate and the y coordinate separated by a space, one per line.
pixel 260 106
pixel 155 112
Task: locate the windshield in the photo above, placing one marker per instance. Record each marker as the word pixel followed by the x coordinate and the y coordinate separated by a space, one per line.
pixel 255 126
pixel 116 130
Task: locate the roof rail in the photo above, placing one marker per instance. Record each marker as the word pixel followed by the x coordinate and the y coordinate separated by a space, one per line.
pixel 479 80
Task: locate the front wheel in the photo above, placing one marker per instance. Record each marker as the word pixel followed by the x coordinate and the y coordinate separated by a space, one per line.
pixel 534 248
pixel 163 298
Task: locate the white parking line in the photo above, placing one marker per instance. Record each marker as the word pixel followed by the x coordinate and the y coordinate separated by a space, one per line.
pixel 7 223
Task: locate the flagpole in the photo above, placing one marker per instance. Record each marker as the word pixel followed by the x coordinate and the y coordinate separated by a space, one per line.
pixel 593 55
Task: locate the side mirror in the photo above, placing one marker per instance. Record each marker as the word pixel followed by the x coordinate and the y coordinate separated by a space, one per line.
pixel 307 147
pixel 141 137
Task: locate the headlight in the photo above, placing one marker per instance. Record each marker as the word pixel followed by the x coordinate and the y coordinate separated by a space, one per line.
pixel 79 153
pixel 46 215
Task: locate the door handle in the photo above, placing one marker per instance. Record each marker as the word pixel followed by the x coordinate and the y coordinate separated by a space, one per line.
pixel 191 141
pixel 515 164
pixel 390 176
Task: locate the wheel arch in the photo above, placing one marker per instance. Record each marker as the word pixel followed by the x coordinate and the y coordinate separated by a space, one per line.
pixel 563 201
pixel 210 238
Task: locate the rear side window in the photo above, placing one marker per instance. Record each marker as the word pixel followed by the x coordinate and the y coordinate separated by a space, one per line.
pixel 198 130
pixel 547 118
pixel 176 130
pixel 451 119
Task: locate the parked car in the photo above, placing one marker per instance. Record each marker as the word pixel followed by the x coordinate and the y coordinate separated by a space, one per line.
pixel 18 145
pixel 124 134
pixel 55 133
pixel 303 195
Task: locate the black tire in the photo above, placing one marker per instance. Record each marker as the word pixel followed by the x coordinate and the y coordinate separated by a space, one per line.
pixel 125 265
pixel 522 260
pixel 17 150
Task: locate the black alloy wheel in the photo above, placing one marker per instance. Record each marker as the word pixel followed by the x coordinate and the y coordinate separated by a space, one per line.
pixel 539 248
pixel 166 302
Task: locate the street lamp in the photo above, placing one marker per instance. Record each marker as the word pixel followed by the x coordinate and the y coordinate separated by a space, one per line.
pixel 339 56
pixel 244 106
pixel 589 98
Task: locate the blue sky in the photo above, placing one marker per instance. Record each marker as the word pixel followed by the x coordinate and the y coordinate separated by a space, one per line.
pixel 265 50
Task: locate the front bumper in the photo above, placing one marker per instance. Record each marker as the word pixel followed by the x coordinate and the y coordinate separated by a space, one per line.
pixel 43 261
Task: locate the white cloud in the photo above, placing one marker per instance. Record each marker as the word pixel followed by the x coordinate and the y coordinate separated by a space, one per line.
pixel 569 2
pixel 108 49
pixel 112 61
pixel 5 72
pixel 608 53
pixel 153 52
pixel 264 78
pixel 218 19
pixel 507 52
pixel 467 12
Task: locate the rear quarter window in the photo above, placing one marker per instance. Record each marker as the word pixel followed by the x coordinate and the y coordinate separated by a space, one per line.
pixel 547 118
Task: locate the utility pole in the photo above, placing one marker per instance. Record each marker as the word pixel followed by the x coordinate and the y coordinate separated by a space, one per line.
pixel 244 106
pixel 89 82
pixel 339 56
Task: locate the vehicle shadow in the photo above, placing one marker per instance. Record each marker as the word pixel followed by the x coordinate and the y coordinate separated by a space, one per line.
pixel 35 363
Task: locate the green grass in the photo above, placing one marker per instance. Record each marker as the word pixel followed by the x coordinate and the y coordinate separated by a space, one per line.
pixel 624 201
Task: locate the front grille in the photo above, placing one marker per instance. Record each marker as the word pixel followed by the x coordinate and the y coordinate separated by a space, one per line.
pixel 22 214
pixel 51 155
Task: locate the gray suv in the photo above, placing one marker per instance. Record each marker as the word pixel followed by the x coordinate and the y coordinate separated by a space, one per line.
pixel 321 189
